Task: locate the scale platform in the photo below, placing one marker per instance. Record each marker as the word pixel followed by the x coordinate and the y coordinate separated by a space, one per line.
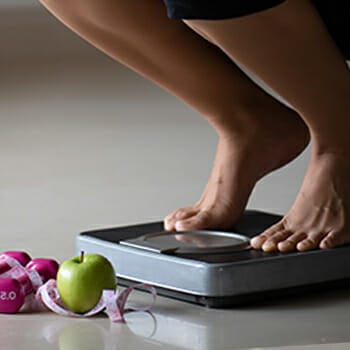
pixel 215 268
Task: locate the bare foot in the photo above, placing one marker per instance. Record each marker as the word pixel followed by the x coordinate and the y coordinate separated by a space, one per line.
pixel 241 160
pixel 320 215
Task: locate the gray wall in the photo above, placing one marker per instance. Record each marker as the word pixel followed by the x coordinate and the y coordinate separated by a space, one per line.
pixel 18 3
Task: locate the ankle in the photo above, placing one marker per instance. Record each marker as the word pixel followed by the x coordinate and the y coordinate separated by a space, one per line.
pixel 330 161
pixel 333 146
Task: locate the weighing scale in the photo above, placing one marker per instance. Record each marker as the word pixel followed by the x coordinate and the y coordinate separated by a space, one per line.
pixel 215 268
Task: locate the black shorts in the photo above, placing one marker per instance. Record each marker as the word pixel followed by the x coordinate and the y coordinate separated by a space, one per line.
pixel 334 13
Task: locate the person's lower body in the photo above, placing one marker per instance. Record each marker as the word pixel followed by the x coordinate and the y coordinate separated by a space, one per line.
pixel 290 48
pixel 257 134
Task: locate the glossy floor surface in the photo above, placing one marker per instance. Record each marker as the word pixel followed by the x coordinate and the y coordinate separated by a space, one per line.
pixel 84 144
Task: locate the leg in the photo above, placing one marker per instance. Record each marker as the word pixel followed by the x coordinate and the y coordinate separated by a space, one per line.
pixel 290 49
pixel 138 34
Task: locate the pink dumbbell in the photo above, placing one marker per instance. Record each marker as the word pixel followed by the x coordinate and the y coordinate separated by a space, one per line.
pixel 11 296
pixel 9 260
pixel 29 278
pixel 46 268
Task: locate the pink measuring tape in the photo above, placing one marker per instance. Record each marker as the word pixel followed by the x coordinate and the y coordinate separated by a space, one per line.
pixel 112 303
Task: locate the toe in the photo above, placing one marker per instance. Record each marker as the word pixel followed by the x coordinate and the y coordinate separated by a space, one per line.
pixel 306 244
pixel 310 242
pixel 179 214
pixel 271 244
pixel 196 222
pixel 291 242
pixel 334 239
pixel 258 241
pixel 169 222
pixel 185 213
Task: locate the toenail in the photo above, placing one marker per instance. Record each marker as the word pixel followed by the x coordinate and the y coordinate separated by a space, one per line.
pixel 303 244
pixel 286 242
pixel 268 245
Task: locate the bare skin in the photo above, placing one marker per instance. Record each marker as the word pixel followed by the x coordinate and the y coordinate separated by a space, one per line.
pixel 286 56
pixel 325 195
pixel 257 134
pixel 238 165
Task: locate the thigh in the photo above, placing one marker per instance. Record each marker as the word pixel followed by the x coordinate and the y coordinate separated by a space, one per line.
pixel 334 13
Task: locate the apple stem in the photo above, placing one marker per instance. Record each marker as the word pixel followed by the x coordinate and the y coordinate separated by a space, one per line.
pixel 82 256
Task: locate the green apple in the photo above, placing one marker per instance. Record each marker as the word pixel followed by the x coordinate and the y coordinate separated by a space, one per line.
pixel 81 280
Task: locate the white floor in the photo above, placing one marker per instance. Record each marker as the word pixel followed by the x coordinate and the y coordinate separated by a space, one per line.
pixel 86 143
